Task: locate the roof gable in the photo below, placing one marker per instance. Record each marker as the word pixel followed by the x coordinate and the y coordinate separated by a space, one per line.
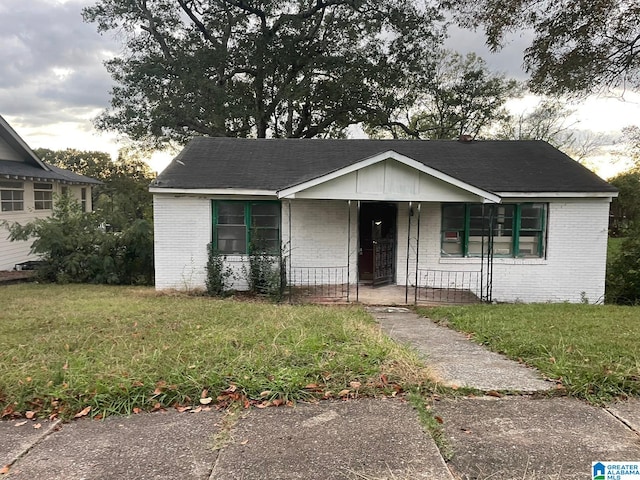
pixel 386 176
pixel 279 164
pixel 13 148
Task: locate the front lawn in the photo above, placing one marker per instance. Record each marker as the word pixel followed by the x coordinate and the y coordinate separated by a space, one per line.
pixel 594 351
pixel 118 349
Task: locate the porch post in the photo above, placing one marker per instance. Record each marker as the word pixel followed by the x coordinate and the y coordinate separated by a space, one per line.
pixel 406 277
pixel 348 250
pixel 415 290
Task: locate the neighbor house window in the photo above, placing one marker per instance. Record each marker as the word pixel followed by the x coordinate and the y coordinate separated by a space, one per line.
pixel 517 230
pixel 43 196
pixel 83 199
pixel 242 227
pixel 11 196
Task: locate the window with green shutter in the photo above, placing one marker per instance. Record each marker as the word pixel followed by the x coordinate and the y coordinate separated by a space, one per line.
pixel 240 227
pixel 518 229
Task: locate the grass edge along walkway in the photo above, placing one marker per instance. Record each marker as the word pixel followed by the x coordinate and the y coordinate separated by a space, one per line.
pixel 591 350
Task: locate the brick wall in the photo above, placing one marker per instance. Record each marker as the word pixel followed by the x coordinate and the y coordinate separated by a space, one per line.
pixel 182 230
pixel 573 270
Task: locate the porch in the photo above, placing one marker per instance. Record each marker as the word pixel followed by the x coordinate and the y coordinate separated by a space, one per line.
pixel 388 295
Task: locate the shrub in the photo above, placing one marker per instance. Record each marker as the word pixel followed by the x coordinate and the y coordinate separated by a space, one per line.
pixel 74 249
pixel 623 271
pixel 218 274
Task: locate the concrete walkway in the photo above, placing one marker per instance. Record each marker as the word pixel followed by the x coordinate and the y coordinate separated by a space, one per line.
pixel 358 439
pixel 512 437
pixel 458 361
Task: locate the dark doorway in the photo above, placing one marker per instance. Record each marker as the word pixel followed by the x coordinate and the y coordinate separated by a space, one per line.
pixel 377 230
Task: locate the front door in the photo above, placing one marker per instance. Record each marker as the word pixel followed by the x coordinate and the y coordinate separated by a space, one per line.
pixel 377 229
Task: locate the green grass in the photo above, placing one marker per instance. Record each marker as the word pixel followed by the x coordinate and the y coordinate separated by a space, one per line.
pixel 594 351
pixel 116 349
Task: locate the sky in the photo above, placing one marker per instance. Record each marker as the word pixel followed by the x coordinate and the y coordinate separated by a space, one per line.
pixel 54 82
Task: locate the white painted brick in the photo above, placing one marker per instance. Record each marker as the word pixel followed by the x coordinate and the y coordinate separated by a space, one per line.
pixel 575 263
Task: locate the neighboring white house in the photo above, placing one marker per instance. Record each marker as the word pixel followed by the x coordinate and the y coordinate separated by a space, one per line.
pixel 27 188
pixel 505 220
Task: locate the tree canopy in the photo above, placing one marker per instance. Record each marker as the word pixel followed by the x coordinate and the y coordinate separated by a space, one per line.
pixel 461 97
pixel 291 68
pixel 124 195
pixel 579 46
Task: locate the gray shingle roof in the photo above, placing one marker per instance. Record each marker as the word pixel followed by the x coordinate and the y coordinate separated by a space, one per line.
pixel 275 164
pixel 22 171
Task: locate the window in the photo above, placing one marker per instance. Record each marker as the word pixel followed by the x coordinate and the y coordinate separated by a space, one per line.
pixel 11 196
pixel 83 199
pixel 240 227
pixel 43 196
pixel 518 229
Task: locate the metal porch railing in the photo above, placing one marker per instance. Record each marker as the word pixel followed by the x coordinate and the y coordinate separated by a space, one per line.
pixel 319 283
pixel 443 286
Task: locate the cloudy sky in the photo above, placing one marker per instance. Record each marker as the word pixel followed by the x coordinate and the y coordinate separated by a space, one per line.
pixel 53 80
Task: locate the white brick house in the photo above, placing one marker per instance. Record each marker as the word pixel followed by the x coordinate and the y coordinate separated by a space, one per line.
pixel 504 220
pixel 27 189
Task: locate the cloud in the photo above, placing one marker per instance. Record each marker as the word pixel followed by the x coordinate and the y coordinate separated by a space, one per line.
pixel 52 60
pixel 508 60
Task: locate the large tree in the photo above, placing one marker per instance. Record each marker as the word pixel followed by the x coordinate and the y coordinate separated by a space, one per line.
pixel 551 121
pixel 287 68
pixel 579 46
pixel 461 97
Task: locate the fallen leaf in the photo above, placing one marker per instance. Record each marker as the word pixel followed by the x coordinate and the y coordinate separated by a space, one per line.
pixel 355 385
pixel 204 394
pixel 552 360
pixel 493 393
pixel 244 442
pixel 438 419
pixel 182 409
pixel 19 424
pixel 196 410
pixel 206 401
pixel 4 470
pixel 311 386
pixel 7 411
pixel 344 393
pixel 266 393
pixel 83 413
pixel 277 402
pixel 263 404
pixel 37 426
pixel 30 414
pixel 137 410
pixel 157 406
pixel 66 365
